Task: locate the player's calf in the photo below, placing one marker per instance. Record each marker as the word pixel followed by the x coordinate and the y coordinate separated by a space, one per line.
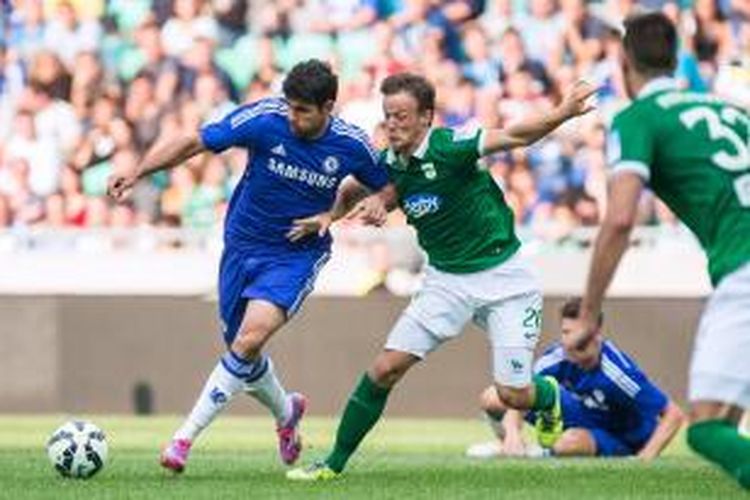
pixel 390 366
pixel 518 398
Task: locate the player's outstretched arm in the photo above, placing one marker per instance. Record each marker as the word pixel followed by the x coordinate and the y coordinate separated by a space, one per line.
pixel 611 242
pixel 353 201
pixel 161 156
pixel 513 442
pixel 531 130
pixel 672 418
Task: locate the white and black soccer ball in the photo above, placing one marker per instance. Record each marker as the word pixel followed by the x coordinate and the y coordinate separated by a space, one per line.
pixel 77 449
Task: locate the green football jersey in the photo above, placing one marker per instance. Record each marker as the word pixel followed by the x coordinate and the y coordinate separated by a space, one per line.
pixel 694 151
pixel 459 212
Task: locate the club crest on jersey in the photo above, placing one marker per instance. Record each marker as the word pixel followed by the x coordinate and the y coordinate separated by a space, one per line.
pixel 419 205
pixel 330 165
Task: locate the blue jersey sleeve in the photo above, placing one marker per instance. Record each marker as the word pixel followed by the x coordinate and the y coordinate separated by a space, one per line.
pixel 368 169
pixel 650 399
pixel 635 387
pixel 550 362
pixel 241 127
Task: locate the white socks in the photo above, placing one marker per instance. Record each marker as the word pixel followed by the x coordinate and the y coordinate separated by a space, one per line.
pixel 267 389
pixel 219 389
pixel 231 375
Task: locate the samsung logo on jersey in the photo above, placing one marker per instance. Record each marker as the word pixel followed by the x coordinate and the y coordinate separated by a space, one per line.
pixel 312 179
pixel 419 205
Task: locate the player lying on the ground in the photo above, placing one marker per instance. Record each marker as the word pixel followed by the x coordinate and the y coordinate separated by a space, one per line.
pixel 609 406
pixel 693 150
pixel 474 271
pixel 300 154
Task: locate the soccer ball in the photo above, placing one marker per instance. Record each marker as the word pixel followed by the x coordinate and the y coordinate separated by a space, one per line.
pixel 77 449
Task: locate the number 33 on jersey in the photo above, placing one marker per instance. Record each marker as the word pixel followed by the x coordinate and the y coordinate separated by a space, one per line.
pixel 694 152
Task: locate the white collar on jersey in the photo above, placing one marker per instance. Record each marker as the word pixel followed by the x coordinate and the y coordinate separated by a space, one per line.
pixel 657 85
pixel 418 153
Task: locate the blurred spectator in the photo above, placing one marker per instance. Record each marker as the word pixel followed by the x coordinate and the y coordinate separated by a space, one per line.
pixel 542 28
pixel 231 16
pixel 513 57
pixel 67 36
pixel 479 66
pixel 37 152
pixel 733 78
pixel 583 34
pixel 27 28
pixel 54 211
pixel 142 110
pixel 26 206
pixel 55 120
pixel 199 62
pixel 87 86
pixel 199 210
pixel 11 75
pixel 712 38
pixel 47 71
pixel 188 23
pixel 361 102
pixel 179 192
pixel 75 201
pixel 498 16
pixel 87 83
pixel 6 216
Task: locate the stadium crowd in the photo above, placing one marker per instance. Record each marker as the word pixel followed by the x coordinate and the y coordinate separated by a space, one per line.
pixel 86 86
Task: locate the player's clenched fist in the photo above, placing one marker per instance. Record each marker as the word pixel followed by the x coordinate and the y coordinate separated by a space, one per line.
pixel 119 186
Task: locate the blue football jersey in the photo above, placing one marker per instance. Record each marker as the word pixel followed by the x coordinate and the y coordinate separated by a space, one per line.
pixel 287 177
pixel 617 394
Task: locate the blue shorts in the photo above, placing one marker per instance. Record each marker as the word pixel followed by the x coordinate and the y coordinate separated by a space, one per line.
pixel 576 415
pixel 282 278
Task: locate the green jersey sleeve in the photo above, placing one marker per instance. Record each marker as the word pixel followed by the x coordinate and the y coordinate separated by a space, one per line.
pixel 460 147
pixel 630 145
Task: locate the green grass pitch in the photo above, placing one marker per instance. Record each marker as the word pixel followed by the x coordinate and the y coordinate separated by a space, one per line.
pixel 402 459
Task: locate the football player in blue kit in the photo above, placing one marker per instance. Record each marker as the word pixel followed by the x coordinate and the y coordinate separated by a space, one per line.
pixel 298 155
pixel 609 406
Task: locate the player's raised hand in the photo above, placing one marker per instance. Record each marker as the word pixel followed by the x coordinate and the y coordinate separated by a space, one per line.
pixel 586 329
pixel 302 228
pixel 120 185
pixel 369 211
pixel 576 101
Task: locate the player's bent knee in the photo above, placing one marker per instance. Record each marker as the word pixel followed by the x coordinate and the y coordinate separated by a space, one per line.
pixel 389 367
pixel 514 397
pixel 575 442
pixel 489 400
pixel 249 344
pixel 701 411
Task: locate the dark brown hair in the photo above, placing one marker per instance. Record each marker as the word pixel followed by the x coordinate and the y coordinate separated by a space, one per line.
pixel 651 43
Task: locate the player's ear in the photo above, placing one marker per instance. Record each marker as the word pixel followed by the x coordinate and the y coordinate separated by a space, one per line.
pixel 327 106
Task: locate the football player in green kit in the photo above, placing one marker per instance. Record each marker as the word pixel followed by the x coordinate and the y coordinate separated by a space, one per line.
pixel 474 272
pixel 693 150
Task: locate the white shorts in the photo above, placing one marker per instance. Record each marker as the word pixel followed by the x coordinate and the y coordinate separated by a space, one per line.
pixel 505 301
pixel 720 368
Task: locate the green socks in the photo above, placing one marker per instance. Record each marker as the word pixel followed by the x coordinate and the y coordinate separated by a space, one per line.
pixel 545 394
pixel 719 442
pixel 362 411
